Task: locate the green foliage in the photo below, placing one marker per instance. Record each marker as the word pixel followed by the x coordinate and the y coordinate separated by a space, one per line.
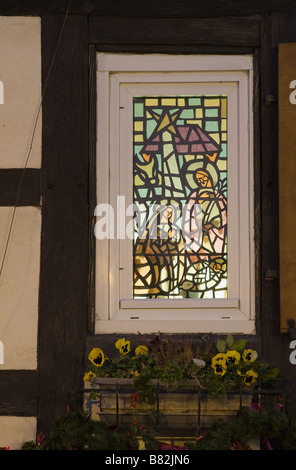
pixel 218 368
pixel 173 362
pixel 221 345
pixel 230 345
pixel 238 345
pixel 288 438
pixel 250 424
pixel 145 392
pixel 76 430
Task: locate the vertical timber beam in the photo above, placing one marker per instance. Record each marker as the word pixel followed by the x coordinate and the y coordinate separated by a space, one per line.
pixel 64 244
pixel 269 327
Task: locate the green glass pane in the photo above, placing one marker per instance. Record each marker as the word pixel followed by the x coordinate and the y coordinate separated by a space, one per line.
pixel 211 112
pixel 212 126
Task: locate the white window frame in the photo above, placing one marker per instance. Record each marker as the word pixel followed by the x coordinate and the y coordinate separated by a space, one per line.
pixel 119 78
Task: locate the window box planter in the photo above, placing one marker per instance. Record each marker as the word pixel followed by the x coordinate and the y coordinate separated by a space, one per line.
pixel 180 408
pixel 174 388
pixel 183 389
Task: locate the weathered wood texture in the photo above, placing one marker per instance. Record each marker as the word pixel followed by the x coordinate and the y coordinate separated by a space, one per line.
pixel 65 238
pixel 20 187
pixel 203 31
pixel 154 8
pixel 269 318
pixel 92 185
pixel 18 392
pixel 174 49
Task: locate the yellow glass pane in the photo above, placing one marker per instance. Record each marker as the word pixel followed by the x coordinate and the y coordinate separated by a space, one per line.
pixel 168 101
pixel 216 137
pixel 151 102
pixel 198 113
pixel 222 165
pixel 193 121
pixel 223 108
pixel 212 103
pixel 138 126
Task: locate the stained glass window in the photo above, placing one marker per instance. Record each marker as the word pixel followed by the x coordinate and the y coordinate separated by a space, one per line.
pixel 180 196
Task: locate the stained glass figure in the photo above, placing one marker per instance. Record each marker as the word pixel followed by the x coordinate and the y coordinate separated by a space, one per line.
pixel 180 195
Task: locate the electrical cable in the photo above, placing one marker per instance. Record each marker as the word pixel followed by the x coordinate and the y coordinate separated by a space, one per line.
pixel 32 139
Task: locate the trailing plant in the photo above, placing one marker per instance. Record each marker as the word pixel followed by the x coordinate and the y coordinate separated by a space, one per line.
pixel 76 431
pixel 270 425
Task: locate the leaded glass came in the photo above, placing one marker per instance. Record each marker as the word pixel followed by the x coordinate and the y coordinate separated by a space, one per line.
pixel 180 196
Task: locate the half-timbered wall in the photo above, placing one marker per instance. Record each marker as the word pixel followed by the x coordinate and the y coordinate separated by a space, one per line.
pixel 20 224
pixel 46 304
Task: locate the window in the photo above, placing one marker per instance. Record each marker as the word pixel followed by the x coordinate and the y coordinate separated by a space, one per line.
pixel 174 223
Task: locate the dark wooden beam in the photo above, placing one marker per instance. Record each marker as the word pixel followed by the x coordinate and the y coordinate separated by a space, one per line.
pixel 185 8
pixel 179 31
pixel 269 319
pixel 173 49
pixel 153 8
pixel 18 392
pixel 20 187
pixel 92 186
pixel 63 298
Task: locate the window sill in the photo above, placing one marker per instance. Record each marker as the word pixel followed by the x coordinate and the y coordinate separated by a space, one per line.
pixel 133 326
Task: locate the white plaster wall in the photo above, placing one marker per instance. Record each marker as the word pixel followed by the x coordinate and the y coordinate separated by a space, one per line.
pixel 19 286
pixel 15 431
pixel 20 73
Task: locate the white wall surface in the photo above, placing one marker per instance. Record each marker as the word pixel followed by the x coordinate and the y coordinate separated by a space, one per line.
pixel 20 73
pixel 20 137
pixel 19 287
pixel 14 431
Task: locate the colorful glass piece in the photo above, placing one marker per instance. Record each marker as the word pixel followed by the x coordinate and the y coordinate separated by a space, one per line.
pixel 180 196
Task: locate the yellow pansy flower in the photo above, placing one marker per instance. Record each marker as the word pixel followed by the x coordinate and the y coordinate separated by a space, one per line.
pixel 250 377
pixel 123 346
pixel 97 357
pixel 219 364
pixel 233 357
pixel 88 376
pixel 141 350
pixel 249 355
pixel 219 357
